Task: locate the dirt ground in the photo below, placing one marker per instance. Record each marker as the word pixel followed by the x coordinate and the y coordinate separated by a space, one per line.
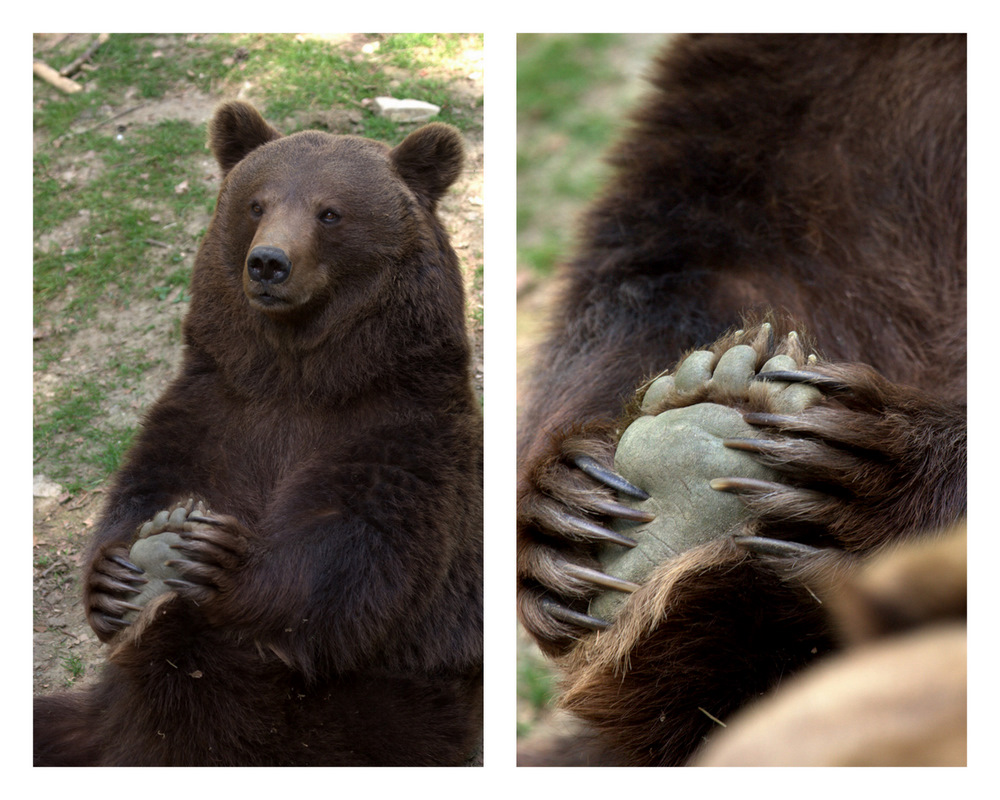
pixel 66 651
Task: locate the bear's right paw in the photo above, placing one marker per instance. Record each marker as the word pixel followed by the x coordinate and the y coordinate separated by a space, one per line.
pixel 563 514
pixel 112 586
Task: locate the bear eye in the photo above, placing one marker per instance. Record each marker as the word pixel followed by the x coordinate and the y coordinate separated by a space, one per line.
pixel 256 209
pixel 328 215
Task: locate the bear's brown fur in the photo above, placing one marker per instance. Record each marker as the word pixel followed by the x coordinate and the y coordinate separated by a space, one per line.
pixel 327 608
pixel 821 177
pixel 896 696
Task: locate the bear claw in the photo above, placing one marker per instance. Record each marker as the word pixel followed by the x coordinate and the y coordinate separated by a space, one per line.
pixel 745 485
pixel 749 445
pixel 774 547
pixel 114 622
pixel 582 528
pixel 609 477
pixel 564 614
pixel 621 511
pixel 600 578
pixel 124 562
pixel 823 382
pixel 204 520
pixel 177 583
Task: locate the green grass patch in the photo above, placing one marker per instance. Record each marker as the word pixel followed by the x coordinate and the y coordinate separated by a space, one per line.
pixel 536 687
pixel 120 205
pixel 571 105
pixel 74 666
pixel 294 74
pixel 73 444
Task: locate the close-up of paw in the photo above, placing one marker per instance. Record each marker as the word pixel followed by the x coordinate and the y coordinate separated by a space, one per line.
pixel 675 451
pixel 154 550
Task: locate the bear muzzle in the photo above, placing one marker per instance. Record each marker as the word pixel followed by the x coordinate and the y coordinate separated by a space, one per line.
pixel 265 278
pixel 268 265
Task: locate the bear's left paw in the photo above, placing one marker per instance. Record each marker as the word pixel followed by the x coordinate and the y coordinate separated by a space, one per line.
pixel 184 549
pixel 211 550
pixel 857 466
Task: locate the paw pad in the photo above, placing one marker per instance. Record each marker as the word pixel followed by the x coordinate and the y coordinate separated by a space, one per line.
pixel 154 547
pixel 673 455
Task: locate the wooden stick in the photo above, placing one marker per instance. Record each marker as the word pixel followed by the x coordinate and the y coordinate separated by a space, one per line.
pixel 46 73
pixel 70 69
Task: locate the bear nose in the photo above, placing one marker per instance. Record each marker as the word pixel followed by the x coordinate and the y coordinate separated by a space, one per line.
pixel 267 264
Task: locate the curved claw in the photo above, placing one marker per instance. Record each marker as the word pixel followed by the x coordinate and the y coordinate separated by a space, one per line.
pixel 115 622
pixel 745 485
pixel 177 583
pixel 585 528
pixel 749 445
pixel 112 585
pixel 622 511
pixel 124 562
pixel 601 578
pixel 823 382
pixel 608 477
pixel 203 520
pixel 774 547
pixel 767 420
pixel 564 614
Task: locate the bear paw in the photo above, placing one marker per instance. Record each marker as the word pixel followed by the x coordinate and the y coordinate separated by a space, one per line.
pixel 155 551
pixel 112 584
pixel 563 516
pixel 687 442
pixel 185 550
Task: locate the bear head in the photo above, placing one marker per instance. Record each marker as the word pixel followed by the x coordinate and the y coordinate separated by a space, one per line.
pixel 314 219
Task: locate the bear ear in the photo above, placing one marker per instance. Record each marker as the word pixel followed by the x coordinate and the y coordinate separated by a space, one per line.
pixel 429 160
pixel 236 129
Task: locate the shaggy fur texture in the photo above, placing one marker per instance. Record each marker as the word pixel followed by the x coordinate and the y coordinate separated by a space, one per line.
pixel 903 673
pixel 819 179
pixel 329 604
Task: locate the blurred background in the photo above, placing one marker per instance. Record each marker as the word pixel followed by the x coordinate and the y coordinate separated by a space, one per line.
pixel 574 93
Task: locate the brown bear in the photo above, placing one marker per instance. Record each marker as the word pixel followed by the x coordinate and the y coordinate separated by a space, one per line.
pixel 313 476
pixel 813 182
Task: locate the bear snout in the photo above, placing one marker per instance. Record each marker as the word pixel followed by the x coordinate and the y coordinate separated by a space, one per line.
pixel 268 265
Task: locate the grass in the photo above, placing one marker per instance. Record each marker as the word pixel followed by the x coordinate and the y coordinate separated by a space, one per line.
pixel 75 666
pixel 572 95
pixel 117 217
pixel 119 206
pixel 536 690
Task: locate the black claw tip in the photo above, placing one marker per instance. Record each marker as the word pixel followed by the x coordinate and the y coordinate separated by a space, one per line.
pixel 563 614
pixel 124 562
pixel 774 547
pixel 203 520
pixel 609 477
pixel 823 382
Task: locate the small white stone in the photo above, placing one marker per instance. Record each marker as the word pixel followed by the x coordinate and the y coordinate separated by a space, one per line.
pixel 405 110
